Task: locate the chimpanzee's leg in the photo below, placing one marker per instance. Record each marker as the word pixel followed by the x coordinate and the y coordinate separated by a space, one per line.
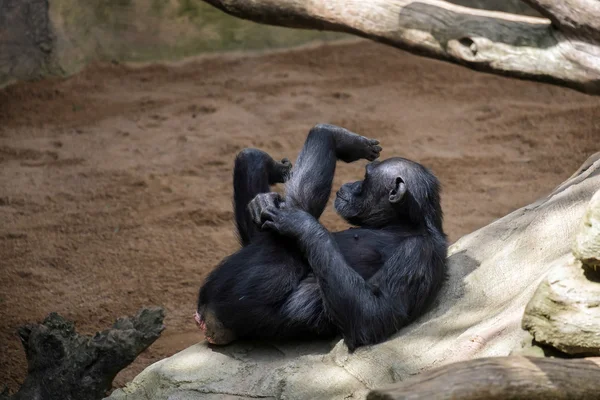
pixel 309 185
pixel 253 173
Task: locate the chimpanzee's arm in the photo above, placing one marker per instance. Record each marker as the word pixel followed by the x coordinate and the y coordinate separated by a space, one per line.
pixel 365 313
pixel 310 183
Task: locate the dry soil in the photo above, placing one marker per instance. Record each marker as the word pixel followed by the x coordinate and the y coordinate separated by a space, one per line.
pixel 115 184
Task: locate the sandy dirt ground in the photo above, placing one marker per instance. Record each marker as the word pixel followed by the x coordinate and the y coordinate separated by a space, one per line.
pixel 115 184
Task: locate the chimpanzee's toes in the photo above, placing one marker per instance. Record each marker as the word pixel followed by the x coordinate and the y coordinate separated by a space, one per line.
pixel 373 149
pixel 200 322
pixel 280 171
pixel 209 340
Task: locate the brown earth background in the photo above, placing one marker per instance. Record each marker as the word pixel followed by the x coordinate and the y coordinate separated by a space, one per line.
pixel 115 183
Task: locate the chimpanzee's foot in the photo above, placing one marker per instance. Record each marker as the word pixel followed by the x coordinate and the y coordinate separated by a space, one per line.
pixel 213 329
pixel 349 146
pixel 365 148
pixel 279 172
pixel 251 160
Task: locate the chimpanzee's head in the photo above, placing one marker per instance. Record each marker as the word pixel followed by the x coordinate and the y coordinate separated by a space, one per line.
pixel 394 191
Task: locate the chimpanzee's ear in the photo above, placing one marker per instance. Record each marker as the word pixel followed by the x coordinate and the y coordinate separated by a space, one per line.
pixel 398 192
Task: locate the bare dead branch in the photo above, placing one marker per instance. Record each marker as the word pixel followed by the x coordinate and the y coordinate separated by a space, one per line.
pixel 65 365
pixel 580 18
pixel 506 44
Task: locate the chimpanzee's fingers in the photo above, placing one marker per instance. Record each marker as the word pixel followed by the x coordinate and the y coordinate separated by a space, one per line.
pixel 270 199
pixel 269 225
pixel 276 199
pixel 254 211
pixel 261 204
pixel 265 200
pixel 268 214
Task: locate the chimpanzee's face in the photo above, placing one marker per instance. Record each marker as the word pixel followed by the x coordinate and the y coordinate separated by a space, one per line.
pixel 374 200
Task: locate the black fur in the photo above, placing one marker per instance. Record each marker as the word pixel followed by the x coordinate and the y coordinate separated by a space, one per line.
pixel 293 278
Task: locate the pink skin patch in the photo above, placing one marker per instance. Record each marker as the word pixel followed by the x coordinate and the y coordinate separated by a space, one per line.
pixel 202 325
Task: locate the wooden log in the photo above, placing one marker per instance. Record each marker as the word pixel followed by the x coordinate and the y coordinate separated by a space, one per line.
pixel 501 378
pixel 562 50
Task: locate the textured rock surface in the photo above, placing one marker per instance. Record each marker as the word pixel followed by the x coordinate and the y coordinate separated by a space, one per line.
pixel 493 273
pixel 26 39
pixel 587 241
pixel 565 309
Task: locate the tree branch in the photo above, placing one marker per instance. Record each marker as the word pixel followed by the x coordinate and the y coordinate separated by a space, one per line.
pixel 578 17
pixel 501 378
pixel 501 43
pixel 65 365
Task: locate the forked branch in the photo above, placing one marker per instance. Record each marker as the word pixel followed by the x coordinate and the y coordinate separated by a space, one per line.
pixel 65 365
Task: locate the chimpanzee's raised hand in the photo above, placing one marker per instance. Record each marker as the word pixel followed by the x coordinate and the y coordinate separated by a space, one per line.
pixel 268 211
pixel 291 222
pixel 261 202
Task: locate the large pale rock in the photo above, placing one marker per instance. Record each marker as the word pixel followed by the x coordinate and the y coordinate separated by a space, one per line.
pixel 565 309
pixel 493 273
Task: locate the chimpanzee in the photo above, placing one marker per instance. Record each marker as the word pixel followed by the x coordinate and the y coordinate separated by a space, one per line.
pixel 292 278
